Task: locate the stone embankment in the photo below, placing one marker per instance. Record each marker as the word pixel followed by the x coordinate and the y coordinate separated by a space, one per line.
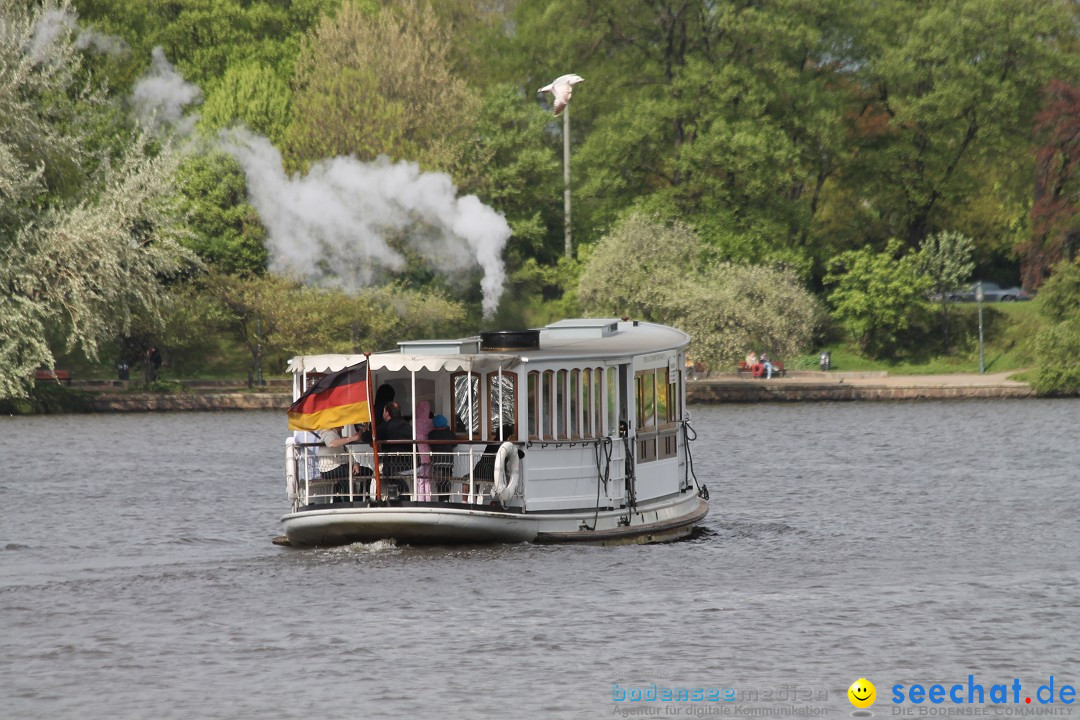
pixel 153 402
pixel 112 396
pixel 802 386
pixel 797 386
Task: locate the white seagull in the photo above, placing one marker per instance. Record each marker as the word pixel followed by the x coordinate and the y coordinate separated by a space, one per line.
pixel 562 88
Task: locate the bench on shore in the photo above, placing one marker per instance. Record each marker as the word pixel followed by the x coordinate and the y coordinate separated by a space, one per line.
pixel 758 369
pixel 60 376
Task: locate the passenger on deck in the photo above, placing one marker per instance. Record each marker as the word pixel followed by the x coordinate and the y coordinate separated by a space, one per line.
pixel 424 425
pixel 383 395
pixel 334 459
pixel 395 458
pixel 442 463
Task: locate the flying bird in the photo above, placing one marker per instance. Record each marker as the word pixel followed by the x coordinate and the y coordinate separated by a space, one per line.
pixel 562 88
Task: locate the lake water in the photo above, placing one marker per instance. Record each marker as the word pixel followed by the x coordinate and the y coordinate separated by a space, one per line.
pixel 904 543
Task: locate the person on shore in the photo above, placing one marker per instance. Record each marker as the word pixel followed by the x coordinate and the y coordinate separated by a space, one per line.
pixel 153 363
pixel 767 365
pixel 751 359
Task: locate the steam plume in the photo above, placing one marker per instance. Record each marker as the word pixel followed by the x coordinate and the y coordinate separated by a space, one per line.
pixel 332 225
pixel 54 23
pixel 161 95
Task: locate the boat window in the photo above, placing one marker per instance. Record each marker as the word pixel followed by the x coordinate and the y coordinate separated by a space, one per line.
pixel 546 412
pixel 586 403
pixel 560 404
pixel 674 398
pixel 646 399
pixel 662 404
pixel 502 405
pixel 612 400
pixel 597 395
pixel 466 420
pixel 534 401
pixel 575 403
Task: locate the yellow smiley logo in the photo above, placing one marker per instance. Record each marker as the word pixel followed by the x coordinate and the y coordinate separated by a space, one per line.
pixel 862 693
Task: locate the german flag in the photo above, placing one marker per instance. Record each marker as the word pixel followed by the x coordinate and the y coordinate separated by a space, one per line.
pixel 337 399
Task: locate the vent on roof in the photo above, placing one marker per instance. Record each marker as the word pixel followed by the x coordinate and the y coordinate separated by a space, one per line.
pixel 584 329
pixel 510 340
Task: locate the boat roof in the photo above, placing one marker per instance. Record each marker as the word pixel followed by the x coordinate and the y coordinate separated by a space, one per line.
pixel 582 338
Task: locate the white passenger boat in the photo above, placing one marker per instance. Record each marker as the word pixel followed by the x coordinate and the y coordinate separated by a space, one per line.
pixel 574 432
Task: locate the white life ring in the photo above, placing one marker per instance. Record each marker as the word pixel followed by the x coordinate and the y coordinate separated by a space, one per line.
pixel 507 473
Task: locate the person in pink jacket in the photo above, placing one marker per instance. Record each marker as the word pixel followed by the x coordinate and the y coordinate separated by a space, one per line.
pixel 423 473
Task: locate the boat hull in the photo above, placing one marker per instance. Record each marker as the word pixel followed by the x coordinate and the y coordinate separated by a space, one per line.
pixel 663 520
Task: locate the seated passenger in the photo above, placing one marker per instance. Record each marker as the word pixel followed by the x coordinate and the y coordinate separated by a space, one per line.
pixel 397 458
pixel 334 462
pixel 423 424
pixel 442 463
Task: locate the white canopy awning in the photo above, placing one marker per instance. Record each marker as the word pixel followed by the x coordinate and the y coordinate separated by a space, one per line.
pixel 485 362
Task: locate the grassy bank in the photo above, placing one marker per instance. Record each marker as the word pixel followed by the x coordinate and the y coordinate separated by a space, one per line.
pixel 1008 333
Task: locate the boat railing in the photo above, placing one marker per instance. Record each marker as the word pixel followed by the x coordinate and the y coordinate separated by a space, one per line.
pixel 462 472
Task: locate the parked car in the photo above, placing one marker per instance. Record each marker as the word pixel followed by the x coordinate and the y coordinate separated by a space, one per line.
pixel 992 292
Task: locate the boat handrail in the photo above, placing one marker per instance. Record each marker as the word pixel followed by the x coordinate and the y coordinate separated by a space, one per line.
pixel 463 476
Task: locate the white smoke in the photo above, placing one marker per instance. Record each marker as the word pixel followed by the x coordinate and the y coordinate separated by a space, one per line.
pixel 160 96
pixel 55 23
pixel 331 226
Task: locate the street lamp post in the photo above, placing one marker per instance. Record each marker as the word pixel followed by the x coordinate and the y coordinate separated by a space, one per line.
pixel 979 300
pixel 569 245
pixel 562 88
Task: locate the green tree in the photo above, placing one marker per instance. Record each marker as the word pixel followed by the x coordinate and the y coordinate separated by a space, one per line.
pixel 1059 298
pixel 1058 349
pixel 945 258
pixel 876 295
pixel 724 115
pixel 522 175
pixel 250 94
pixel 949 84
pixel 79 264
pixel 663 273
pixel 224 229
pixel 275 317
pixel 379 83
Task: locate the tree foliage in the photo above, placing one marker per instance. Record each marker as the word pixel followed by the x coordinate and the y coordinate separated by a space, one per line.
pixel 1058 350
pixel 945 258
pixel 252 95
pixel 1059 298
pixel 1058 347
pixel 1055 234
pixel 223 227
pixel 275 317
pixel 379 83
pixel 81 267
pixel 645 269
pixel 877 295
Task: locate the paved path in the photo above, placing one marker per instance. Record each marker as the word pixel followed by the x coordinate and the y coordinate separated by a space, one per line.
pixel 949 380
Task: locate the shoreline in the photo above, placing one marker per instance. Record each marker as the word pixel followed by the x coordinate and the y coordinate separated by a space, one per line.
pixel 797 386
pixel 832 386
pixel 733 388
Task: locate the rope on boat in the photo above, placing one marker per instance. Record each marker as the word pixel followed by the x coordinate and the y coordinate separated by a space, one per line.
pixel 687 429
pixel 601 447
pixel 631 478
